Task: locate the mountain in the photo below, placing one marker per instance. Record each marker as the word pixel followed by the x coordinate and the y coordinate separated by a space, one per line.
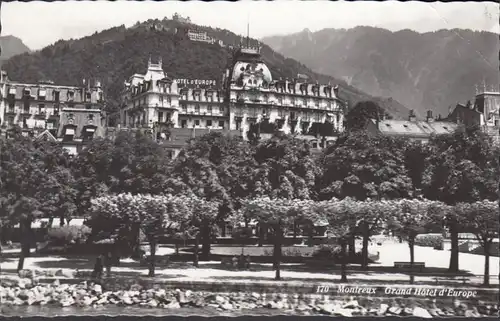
pixel 115 54
pixel 432 70
pixel 11 46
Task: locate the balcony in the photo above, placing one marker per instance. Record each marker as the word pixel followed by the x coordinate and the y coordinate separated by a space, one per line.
pixel 41 114
pixel 54 115
pixel 26 112
pixel 10 111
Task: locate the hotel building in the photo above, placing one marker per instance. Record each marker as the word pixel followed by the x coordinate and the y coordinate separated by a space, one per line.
pixel 68 114
pixel 247 102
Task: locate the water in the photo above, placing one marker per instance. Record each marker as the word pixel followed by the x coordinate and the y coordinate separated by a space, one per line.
pixel 111 310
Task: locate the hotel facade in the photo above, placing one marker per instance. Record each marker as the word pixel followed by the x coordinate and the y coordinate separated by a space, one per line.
pixel 247 102
pixel 68 114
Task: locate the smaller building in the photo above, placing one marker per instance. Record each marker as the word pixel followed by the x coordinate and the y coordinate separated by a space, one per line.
pixel 418 130
pixel 485 112
pixel 72 115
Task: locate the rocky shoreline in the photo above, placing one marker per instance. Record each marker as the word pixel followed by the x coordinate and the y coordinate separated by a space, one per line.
pixel 25 293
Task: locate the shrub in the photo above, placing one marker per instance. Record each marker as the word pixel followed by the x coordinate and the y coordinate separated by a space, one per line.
pixel 331 252
pixel 67 235
pixel 429 240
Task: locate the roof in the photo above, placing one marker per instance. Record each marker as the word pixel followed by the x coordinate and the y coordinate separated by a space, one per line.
pixel 415 128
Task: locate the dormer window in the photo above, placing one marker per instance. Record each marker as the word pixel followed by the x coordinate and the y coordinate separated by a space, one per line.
pixel 26 92
pixel 41 94
pixel 71 95
pixel 88 96
pixel 12 91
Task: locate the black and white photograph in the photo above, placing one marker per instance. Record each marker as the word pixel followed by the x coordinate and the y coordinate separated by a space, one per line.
pixel 249 158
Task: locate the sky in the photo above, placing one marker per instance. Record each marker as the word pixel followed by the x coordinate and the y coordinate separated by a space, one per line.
pixel 40 24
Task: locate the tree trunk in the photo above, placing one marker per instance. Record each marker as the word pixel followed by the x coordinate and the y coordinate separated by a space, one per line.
pixel 152 257
pixel 311 236
pixel 343 260
pixel 411 243
pixel 261 234
pixel 25 227
pixel 196 249
pixel 278 237
pixel 206 240
pixel 487 248
pixel 61 221
pixel 51 221
pixel 294 232
pixel 136 242
pixel 364 250
pixel 177 247
pixel 351 247
pixel 454 248
pixel 109 263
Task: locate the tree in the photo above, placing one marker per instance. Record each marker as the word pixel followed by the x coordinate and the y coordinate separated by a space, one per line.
pixel 342 217
pixel 277 214
pixel 409 217
pixel 154 215
pixel 362 166
pixel 286 169
pixel 460 167
pixel 363 112
pixel 482 218
pixel 215 167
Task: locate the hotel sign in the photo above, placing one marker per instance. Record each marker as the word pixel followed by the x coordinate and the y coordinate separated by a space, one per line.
pixel 203 82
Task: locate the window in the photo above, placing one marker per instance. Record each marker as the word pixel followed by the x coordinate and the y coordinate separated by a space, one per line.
pixel 160 116
pixel 41 108
pixel 209 122
pixel 184 107
pixel 161 99
pixel 26 106
pixel 209 108
pixel 168 117
pixel 56 96
pixel 221 123
pixel 184 123
pixel 197 108
pixel 71 95
pixel 216 109
pixel 197 122
pixel 88 96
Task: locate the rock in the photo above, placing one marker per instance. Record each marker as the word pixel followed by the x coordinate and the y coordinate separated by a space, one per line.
pixel 189 293
pixel 18 301
pixel 255 295
pixel 102 301
pixel 227 306
pixel 160 293
pixel 182 298
pixel 407 311
pixel 472 314
pixel 153 303
pixel 382 309
pixel 66 302
pixel 421 313
pixel 351 305
pixel 328 308
pixel 173 305
pixel 199 303
pixel 67 273
pixel 127 300
pixel 97 288
pixel 24 283
pixel 344 312
pixel 56 283
pixel 272 305
pixel 395 310
pixel 219 299
pixel 87 301
pixel 136 287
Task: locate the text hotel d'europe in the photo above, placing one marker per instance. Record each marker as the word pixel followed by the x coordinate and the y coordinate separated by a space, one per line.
pixel 388 291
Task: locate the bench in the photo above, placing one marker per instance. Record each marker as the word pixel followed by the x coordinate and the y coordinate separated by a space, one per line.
pixel 406 265
pixel 464 279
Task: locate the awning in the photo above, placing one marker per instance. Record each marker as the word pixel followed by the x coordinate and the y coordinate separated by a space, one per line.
pixel 42 92
pixel 330 115
pixel 90 130
pixel 70 131
pixel 12 91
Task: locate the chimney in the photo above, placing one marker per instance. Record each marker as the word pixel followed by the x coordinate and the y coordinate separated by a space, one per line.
pixel 411 116
pixel 429 116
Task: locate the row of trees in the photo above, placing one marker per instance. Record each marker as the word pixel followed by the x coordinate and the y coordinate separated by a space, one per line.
pixel 39 180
